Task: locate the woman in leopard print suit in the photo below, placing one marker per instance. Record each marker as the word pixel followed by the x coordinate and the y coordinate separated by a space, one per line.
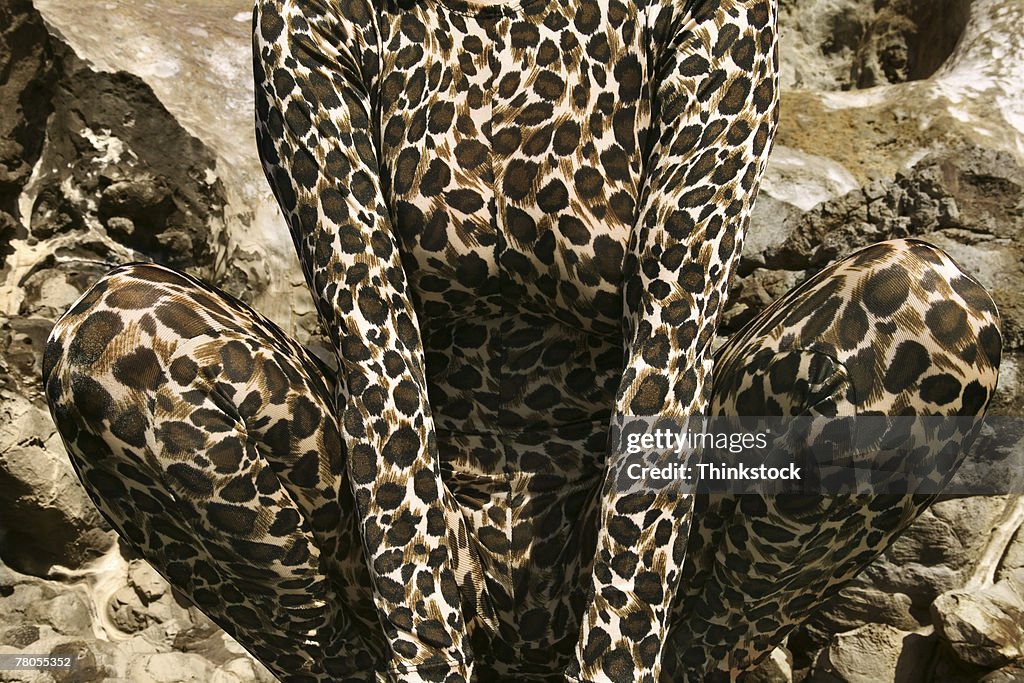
pixel 518 221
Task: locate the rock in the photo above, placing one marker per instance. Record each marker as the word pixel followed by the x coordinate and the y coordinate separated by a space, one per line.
pixel 21 339
pixel 147 583
pixel 56 521
pixel 207 639
pixel 937 553
pixel 10 230
pixel 777 668
pixel 1013 559
pixel 170 668
pixel 254 256
pixel 805 180
pixel 53 285
pixel 23 675
pixel 127 612
pixel 771 223
pixel 859 605
pixel 969 188
pixel 876 653
pixel 16 601
pixel 1013 673
pixel 983 627
pixel 20 636
pixel 242 670
pixel 67 613
pixel 27 64
pixel 86 667
pixel 1014 579
pixel 844 44
pixel 948 668
pixel 751 294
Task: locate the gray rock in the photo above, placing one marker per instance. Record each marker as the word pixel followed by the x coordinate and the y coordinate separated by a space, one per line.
pixel 843 44
pixel 20 636
pixel 937 553
pixel 127 612
pixel 876 653
pixel 205 83
pixel 983 627
pixel 777 668
pixel 1013 673
pixel 17 600
pixel 147 583
pixel 87 667
pixel 56 521
pixel 859 605
pixel 26 62
pixel 752 293
pixel 67 613
pixel 950 190
pixel 167 667
pixel 52 286
pixel 242 670
pixel 105 157
pixel 1011 568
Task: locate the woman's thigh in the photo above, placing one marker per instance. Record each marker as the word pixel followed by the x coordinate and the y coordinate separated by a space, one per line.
pixel 206 437
pixel 894 329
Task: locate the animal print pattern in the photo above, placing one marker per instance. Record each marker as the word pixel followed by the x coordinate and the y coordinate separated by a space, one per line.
pixel 896 328
pixel 206 437
pixel 554 168
pixel 518 222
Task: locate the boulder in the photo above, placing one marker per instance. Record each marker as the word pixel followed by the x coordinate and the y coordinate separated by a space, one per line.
pixel 984 627
pixel 875 653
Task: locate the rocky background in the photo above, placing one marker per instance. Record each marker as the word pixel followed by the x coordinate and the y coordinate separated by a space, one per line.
pixel 125 134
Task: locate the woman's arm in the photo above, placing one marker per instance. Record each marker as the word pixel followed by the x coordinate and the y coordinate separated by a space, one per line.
pixel 713 120
pixel 314 130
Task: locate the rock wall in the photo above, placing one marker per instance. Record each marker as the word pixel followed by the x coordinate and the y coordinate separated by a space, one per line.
pixel 125 134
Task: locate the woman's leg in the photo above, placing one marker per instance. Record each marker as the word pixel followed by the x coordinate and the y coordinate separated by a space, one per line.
pixel 895 329
pixel 205 436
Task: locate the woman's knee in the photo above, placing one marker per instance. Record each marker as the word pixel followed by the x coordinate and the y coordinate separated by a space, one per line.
pixel 99 352
pixel 82 334
pixel 943 324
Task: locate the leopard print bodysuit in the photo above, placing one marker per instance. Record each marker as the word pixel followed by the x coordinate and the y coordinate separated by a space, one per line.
pixel 518 222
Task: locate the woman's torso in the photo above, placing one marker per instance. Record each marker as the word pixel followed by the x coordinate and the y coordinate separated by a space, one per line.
pixel 511 140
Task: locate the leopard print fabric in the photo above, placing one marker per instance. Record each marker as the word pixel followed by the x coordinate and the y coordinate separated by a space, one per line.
pixel 518 221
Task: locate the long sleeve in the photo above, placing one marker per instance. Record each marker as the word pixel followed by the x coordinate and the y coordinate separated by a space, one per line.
pixel 715 96
pixel 313 60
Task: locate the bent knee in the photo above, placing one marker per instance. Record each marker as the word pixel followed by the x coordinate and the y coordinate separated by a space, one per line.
pixel 947 321
pixel 109 321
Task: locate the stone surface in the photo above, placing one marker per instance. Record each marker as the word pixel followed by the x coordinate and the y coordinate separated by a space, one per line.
pixel 938 552
pixel 1013 673
pixel 875 653
pixel 850 44
pixel 1013 561
pixel 206 45
pixel 860 605
pixel 167 667
pixel 984 627
pixel 777 668
pixel 56 523
pixel 147 583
